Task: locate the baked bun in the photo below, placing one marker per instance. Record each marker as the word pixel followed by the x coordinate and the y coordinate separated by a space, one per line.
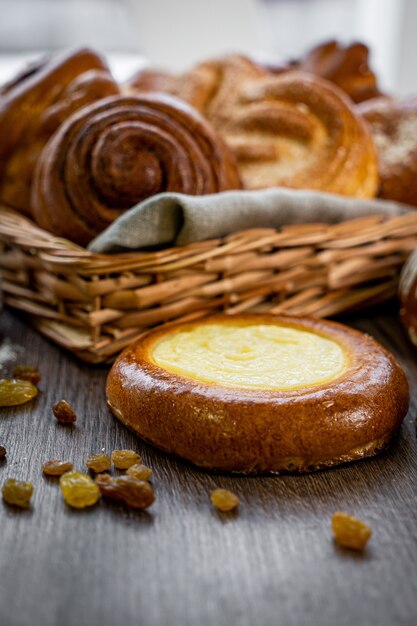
pixel 34 104
pixel 393 125
pixel 408 297
pixel 347 66
pixel 149 80
pixel 292 130
pixel 114 153
pixel 260 393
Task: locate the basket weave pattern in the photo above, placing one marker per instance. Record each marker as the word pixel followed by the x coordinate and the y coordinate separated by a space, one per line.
pixel 95 304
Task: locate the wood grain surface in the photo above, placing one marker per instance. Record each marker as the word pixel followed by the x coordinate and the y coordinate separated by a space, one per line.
pixel 181 563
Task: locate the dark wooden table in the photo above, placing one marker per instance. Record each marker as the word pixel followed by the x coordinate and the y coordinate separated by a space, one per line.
pixel 274 563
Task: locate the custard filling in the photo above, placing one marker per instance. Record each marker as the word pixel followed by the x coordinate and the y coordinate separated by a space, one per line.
pixel 251 356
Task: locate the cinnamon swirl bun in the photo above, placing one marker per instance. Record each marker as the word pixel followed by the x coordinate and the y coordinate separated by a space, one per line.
pixel 114 153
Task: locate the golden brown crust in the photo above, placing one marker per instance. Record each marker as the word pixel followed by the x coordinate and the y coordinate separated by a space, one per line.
pixel 293 130
pixel 393 125
pixel 347 66
pixel 408 297
pixel 318 141
pixel 247 431
pixel 149 80
pixel 114 153
pixel 34 105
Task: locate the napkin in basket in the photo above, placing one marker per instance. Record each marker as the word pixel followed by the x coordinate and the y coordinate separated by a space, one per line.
pixel 179 219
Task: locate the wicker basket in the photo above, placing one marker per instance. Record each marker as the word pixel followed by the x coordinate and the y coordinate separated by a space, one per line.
pixel 94 304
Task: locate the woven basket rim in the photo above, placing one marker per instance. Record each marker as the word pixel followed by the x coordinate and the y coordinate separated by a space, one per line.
pixel 95 304
pixel 16 224
pixel 22 231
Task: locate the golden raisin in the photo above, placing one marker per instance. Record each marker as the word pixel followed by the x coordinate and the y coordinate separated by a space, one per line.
pixel 17 493
pixel 26 372
pixel 3 453
pixel 123 459
pixel 79 490
pixel 14 391
pixel 98 463
pixel 64 412
pixel 139 471
pixel 56 467
pixel 136 493
pixel 350 532
pixel 224 500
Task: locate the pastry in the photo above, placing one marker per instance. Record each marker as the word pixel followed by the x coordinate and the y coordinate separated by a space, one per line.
pixel 408 297
pixel 393 125
pixel 347 66
pixel 26 72
pixel 34 104
pixel 292 130
pixel 298 131
pixel 114 153
pixel 260 393
pixel 149 80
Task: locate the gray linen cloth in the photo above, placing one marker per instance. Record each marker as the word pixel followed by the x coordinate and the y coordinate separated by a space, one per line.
pixel 178 219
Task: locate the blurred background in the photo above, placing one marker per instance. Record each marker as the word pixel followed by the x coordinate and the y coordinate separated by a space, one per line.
pixel 175 35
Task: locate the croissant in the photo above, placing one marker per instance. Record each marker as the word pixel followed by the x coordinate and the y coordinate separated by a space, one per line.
pixel 34 104
pixel 114 153
pixel 393 125
pixel 293 130
pixel 345 66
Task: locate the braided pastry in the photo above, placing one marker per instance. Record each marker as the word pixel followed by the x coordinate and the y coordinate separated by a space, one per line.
pixel 293 130
pixel 393 125
pixel 112 154
pixel 34 104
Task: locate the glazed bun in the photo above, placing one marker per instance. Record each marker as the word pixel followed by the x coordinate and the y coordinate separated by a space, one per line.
pixel 260 393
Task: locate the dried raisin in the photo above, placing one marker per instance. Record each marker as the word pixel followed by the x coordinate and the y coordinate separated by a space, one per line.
pixel 133 492
pixel 79 490
pixel 224 500
pixel 64 412
pixel 56 467
pixel 3 453
pixel 26 372
pixel 17 493
pixel 139 471
pixel 14 391
pixel 123 459
pixel 98 463
pixel 350 532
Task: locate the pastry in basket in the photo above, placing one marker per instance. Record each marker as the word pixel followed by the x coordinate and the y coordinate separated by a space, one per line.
pixel 260 393
pixel 347 66
pixel 150 80
pixel 34 104
pixel 393 124
pixel 292 130
pixel 28 70
pixel 114 153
